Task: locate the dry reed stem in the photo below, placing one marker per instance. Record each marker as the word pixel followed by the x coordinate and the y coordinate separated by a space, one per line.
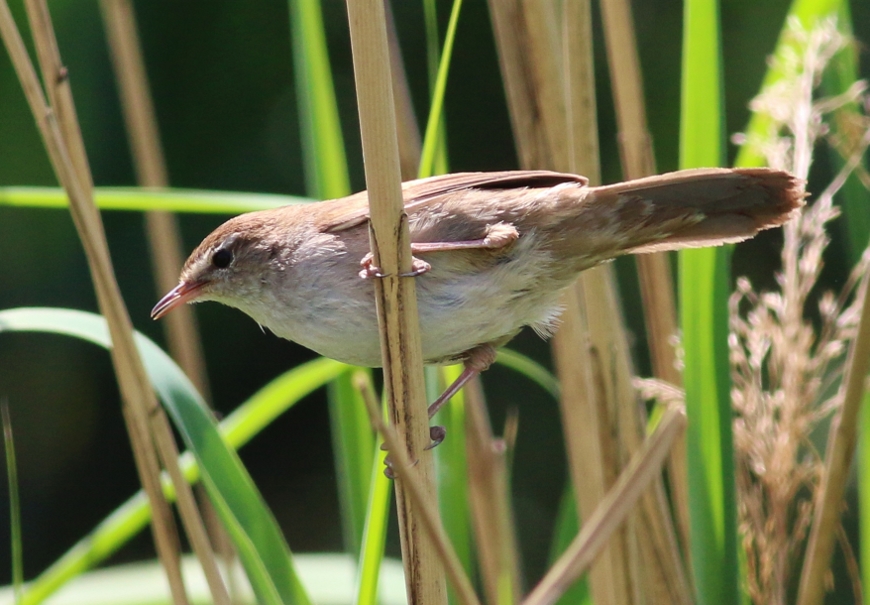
pixel 644 467
pixel 164 236
pixel 582 418
pixel 526 68
pixel 140 406
pixel 528 119
pixel 662 575
pixel 654 272
pixel 408 473
pixel 396 296
pixel 838 459
pixel 72 143
pixel 587 438
pixel 661 578
pixel 489 497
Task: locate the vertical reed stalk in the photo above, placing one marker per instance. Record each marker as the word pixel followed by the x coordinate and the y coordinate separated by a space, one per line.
pixel 654 272
pixel 395 295
pixel 428 516
pixel 584 411
pixel 591 350
pixel 489 495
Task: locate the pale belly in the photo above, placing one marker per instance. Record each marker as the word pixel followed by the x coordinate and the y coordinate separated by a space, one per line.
pixel 456 314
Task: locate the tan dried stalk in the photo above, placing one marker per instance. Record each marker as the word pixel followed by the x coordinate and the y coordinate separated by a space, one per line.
pixel 783 369
pixel 654 272
pixel 539 129
pixel 656 569
pixel 551 98
pixel 490 502
pixel 395 296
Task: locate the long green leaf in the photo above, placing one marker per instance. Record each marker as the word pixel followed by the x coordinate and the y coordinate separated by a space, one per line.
pixel 322 143
pixel 529 368
pixel 452 467
pixel 353 443
pixel 375 532
pixel 566 530
pixel 704 283
pixel 14 502
pixel 837 80
pixel 261 546
pixel 331 577
pixel 132 517
pixel 141 200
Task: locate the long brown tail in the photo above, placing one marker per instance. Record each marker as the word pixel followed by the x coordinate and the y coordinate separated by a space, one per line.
pixel 705 207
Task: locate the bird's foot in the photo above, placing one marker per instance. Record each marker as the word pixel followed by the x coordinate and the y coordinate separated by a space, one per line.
pixel 370 270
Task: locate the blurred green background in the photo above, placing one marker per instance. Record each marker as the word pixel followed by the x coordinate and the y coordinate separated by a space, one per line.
pixel 222 78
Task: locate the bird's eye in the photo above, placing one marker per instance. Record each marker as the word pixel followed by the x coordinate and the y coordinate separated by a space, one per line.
pixel 222 258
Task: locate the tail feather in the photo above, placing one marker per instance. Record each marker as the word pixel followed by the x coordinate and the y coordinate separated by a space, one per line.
pixel 726 206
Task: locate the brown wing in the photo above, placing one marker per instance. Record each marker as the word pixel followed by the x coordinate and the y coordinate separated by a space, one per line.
pixel 354 210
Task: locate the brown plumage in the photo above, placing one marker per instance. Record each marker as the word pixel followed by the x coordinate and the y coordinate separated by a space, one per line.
pixel 500 248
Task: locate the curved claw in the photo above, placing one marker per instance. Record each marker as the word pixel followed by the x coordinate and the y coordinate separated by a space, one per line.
pixel 437 435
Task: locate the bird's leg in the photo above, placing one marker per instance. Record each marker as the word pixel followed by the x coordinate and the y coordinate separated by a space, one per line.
pixel 477 360
pixel 497 236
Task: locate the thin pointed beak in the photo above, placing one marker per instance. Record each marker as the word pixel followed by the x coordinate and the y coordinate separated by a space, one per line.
pixel 180 294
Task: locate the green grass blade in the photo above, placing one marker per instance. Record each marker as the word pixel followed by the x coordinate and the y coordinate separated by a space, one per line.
pixel 853 197
pixel 704 284
pixel 15 540
pixel 529 368
pixel 375 532
pixel 566 530
pixel 452 469
pixel 258 540
pixel 322 143
pixel 353 443
pixel 433 159
pixel 141 200
pixel 840 75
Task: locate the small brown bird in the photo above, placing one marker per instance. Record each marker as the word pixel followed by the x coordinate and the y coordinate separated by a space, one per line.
pixel 493 252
